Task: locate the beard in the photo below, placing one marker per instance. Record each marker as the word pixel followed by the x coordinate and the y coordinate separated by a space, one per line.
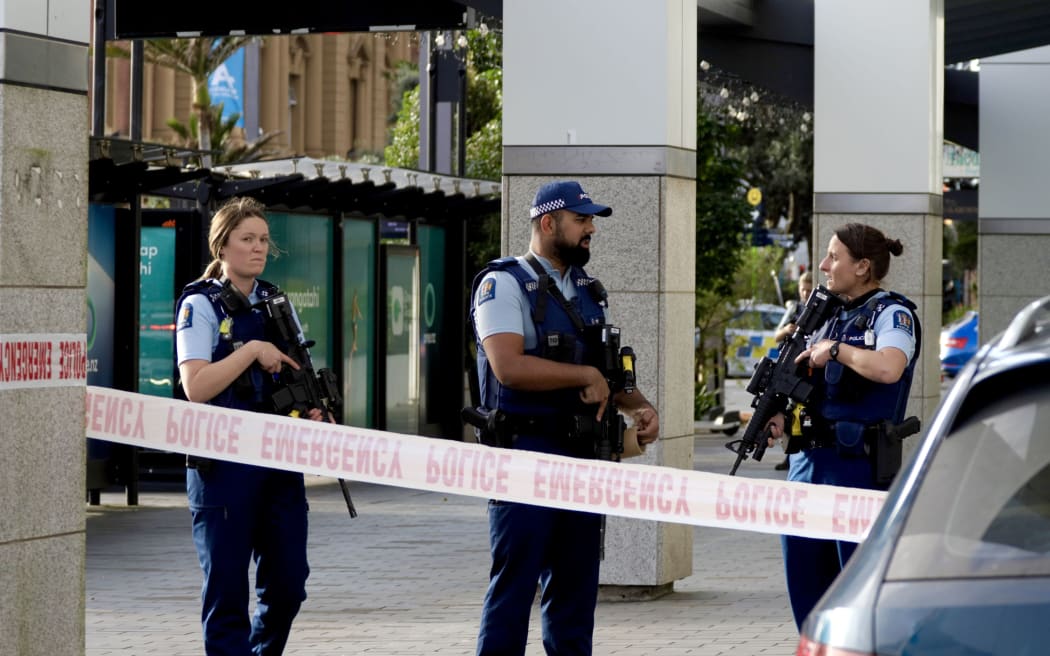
pixel 569 253
pixel 573 255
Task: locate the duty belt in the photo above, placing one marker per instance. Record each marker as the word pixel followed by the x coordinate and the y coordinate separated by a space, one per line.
pixel 543 425
pixel 824 437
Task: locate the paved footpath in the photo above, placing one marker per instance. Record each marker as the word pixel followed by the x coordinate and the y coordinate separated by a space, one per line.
pixel 408 575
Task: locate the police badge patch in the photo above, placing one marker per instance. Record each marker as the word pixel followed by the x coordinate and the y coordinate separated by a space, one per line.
pixel 902 321
pixel 185 317
pixel 487 291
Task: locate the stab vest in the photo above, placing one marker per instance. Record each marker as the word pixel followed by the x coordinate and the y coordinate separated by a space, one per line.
pixel 848 396
pixel 555 320
pixel 253 390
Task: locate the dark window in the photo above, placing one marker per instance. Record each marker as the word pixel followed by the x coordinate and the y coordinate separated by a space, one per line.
pixel 983 509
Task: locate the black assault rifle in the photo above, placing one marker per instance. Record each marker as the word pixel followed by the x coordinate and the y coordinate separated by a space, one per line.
pixel 617 366
pixel 303 388
pixel 774 383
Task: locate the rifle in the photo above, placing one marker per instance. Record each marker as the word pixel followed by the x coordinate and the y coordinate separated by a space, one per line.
pixel 616 364
pixel 774 383
pixel 303 388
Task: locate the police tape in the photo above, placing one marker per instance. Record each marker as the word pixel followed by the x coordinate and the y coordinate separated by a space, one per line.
pixel 624 489
pixel 34 360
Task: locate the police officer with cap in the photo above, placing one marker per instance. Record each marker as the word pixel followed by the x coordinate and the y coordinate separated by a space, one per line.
pixel 530 316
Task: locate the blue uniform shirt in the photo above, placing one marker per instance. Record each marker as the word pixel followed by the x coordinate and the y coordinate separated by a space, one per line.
pixel 197 327
pixel 500 305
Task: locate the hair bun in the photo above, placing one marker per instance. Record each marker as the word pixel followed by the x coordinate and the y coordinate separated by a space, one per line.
pixel 894 246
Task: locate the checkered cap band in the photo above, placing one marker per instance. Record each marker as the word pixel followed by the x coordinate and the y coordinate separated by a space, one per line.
pixel 549 206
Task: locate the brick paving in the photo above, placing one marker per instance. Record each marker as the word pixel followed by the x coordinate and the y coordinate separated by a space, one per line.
pixel 408 575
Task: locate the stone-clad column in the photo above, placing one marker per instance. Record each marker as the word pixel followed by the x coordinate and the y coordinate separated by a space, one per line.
pixel 877 148
pixel 43 245
pixel 1013 210
pixel 604 92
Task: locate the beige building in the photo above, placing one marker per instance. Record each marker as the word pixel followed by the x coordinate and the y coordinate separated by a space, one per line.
pixel 326 94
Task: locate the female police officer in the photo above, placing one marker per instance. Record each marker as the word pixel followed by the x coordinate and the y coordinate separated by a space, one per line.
pixel 240 511
pixel 862 361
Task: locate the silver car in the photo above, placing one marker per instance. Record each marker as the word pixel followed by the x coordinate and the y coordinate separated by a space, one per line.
pixel 958 561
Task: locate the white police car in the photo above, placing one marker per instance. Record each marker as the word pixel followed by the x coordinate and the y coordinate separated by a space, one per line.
pixel 750 335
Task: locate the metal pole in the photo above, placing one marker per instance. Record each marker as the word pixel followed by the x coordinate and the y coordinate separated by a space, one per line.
pixel 461 136
pixel 98 81
pixel 135 128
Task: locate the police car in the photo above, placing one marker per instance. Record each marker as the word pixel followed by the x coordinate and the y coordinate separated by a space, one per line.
pixel 750 335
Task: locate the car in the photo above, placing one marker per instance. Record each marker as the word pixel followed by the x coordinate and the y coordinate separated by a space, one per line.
pixel 958 559
pixel 958 343
pixel 751 334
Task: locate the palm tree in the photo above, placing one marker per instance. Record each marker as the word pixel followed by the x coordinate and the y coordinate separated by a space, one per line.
pixel 227 149
pixel 197 57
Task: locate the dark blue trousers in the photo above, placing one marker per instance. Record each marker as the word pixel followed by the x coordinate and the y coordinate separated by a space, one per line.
pixel 559 549
pixel 240 513
pixel 811 565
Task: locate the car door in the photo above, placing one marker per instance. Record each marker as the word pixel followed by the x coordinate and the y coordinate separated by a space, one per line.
pixel 970 573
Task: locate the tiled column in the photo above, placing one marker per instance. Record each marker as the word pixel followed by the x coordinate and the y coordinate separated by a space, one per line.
pixel 1014 214
pixel 43 245
pixel 604 92
pixel 877 149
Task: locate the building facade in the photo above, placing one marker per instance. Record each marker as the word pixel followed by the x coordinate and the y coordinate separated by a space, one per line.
pixel 323 94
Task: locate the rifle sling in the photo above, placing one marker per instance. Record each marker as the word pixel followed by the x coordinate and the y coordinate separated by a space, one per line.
pixel 547 285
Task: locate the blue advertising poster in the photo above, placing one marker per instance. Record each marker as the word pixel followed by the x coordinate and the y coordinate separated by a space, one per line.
pixel 157 311
pixel 226 86
pixel 100 294
pixel 100 300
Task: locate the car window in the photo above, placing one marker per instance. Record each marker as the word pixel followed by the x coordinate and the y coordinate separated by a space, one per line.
pixel 756 320
pixel 983 508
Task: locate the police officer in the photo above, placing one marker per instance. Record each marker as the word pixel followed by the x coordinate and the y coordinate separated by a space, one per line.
pixel 530 316
pixel 240 512
pixel 862 361
pixel 788 325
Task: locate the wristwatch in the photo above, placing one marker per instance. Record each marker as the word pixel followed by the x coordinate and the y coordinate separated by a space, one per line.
pixel 834 351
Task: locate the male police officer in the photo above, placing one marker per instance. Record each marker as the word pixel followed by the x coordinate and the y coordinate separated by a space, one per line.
pixel 532 315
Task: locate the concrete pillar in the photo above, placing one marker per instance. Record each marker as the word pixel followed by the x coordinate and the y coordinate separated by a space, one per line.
pixel 877 148
pixel 1014 229
pixel 44 123
pixel 604 91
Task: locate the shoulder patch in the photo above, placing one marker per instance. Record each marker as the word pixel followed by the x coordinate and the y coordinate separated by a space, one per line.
pixel 185 317
pixel 487 291
pixel 902 321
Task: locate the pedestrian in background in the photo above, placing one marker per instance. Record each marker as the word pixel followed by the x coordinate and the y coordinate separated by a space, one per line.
pixel 532 316
pixel 227 357
pixel 862 361
pixel 787 328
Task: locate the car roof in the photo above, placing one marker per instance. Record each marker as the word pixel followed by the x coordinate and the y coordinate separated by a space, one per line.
pixel 1025 341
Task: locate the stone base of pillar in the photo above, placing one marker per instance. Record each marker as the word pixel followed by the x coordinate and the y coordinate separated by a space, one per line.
pixel 608 593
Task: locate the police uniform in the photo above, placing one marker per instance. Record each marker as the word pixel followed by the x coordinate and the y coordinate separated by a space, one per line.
pixel 558 548
pixel 239 511
pixel 836 429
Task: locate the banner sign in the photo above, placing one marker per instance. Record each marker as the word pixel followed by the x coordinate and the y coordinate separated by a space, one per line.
pixel 38 360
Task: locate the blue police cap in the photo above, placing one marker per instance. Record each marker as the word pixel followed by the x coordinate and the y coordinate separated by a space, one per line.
pixel 565 195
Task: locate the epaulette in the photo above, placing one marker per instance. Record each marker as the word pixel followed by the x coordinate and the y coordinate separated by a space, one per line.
pixel 501 263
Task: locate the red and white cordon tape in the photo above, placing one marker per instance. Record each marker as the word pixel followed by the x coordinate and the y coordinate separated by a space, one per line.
pixel 39 360
pixel 629 490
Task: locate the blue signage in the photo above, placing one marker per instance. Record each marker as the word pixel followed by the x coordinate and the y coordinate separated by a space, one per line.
pixel 226 86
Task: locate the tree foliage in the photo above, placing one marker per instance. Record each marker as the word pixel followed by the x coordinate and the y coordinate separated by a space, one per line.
pixel 198 58
pixel 226 142
pixel 484 138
